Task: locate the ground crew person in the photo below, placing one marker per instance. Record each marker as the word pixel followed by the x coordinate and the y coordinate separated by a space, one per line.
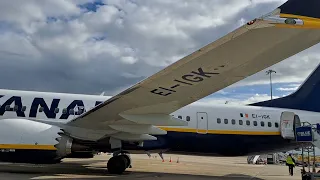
pixel 291 163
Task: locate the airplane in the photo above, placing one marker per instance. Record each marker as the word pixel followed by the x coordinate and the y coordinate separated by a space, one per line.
pixel 158 114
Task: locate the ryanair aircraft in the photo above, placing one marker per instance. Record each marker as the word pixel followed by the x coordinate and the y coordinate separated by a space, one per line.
pixel 156 114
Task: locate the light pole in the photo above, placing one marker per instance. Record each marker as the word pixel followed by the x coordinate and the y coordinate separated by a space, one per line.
pixel 269 72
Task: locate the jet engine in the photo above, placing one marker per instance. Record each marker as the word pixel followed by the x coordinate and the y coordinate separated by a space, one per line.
pixel 28 141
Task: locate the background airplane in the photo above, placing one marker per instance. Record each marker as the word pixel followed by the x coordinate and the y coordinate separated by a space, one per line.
pixel 155 115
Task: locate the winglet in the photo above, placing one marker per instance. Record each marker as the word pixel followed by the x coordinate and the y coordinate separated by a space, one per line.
pixel 303 12
pixel 292 14
pixel 306 8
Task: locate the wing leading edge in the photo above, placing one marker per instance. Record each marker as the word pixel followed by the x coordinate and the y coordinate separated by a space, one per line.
pixel 247 50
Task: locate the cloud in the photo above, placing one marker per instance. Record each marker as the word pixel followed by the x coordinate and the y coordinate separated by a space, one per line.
pixel 287 89
pixel 239 99
pixel 89 46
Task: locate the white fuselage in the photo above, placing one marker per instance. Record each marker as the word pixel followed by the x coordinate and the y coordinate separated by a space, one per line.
pixel 57 102
pixel 220 129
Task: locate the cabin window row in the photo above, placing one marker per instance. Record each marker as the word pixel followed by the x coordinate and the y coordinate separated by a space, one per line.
pixel 248 123
pixel 56 110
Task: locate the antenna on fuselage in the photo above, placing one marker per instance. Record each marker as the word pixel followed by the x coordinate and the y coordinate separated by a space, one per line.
pixel 102 94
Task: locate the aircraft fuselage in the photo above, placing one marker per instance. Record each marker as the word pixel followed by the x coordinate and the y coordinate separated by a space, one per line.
pixel 212 129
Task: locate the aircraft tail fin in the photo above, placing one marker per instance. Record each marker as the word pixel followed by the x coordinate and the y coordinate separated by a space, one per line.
pixel 306 97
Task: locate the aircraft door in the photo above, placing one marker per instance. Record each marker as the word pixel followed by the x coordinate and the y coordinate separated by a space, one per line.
pixel 297 123
pixel 287 125
pixel 202 122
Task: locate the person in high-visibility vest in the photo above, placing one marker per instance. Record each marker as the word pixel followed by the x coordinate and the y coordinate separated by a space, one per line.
pixel 291 163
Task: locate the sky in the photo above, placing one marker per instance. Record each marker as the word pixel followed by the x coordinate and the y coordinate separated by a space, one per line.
pixel 89 47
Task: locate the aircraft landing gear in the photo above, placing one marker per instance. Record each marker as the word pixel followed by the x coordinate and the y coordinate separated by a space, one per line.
pixel 118 164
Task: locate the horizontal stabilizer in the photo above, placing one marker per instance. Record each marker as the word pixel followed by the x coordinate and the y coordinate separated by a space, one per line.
pixel 139 129
pixel 306 97
pixel 155 119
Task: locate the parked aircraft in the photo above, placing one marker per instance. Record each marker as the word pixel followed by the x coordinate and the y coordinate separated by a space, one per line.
pixel 157 114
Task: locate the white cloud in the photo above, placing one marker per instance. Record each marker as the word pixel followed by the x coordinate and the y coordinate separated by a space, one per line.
pixel 287 89
pixel 243 99
pixel 70 50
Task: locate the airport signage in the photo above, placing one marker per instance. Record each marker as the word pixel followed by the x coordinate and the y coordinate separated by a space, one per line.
pixel 304 134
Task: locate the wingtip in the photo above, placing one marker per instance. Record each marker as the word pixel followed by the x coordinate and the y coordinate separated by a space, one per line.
pixel 307 8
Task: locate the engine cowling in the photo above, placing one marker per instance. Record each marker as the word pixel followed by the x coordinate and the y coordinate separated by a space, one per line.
pixel 27 141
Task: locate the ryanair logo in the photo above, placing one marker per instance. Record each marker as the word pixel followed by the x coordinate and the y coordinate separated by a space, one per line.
pixel 39 105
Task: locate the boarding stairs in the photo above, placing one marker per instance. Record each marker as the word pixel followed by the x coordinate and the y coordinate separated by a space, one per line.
pixel 309 134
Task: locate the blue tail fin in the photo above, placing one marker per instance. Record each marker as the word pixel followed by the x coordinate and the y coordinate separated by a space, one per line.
pixel 307 97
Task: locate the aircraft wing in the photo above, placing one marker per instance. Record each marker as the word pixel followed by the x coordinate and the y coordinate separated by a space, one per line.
pixel 247 50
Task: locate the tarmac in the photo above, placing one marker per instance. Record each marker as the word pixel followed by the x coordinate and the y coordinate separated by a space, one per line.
pixel 145 168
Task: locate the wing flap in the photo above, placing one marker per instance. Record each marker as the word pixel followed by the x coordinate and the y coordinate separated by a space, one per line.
pixel 139 129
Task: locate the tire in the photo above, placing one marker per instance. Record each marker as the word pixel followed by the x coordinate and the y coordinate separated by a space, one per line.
pixel 128 160
pixel 117 165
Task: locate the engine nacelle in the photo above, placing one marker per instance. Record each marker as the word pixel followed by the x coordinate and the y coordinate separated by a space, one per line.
pixel 64 146
pixel 27 141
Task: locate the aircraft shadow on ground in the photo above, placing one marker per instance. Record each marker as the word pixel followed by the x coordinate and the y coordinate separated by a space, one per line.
pixel 99 172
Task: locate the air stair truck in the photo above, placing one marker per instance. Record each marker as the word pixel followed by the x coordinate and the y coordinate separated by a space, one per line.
pixel 309 135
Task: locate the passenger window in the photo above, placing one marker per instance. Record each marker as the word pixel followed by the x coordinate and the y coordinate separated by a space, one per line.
pixel 262 123
pixel 64 111
pixel 218 120
pixel 276 124
pixel 226 121
pixel 188 118
pixel 23 108
pixel 240 122
pixel 248 122
pixel 40 109
pixel 255 123
pixel 56 110
pixel 180 117
pixel 71 111
pixel 233 121
pixel 7 108
pixel 269 124
pixel 15 108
